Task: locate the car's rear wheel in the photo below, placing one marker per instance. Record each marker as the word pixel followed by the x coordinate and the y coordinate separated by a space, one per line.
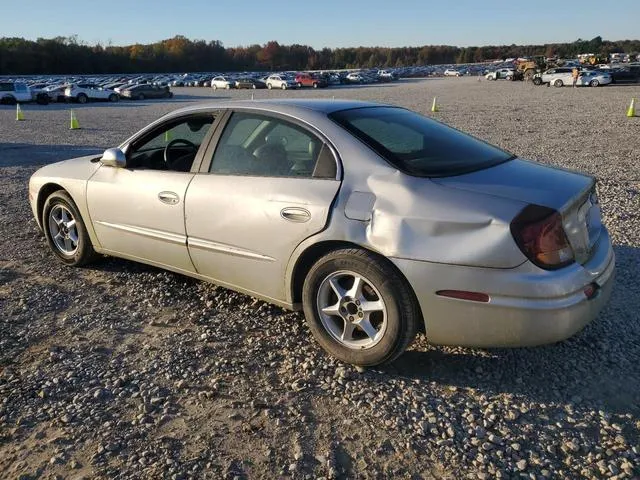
pixel 113 97
pixel 269 86
pixel 558 83
pixel 140 96
pixel 82 98
pixel 315 85
pixel 537 81
pixel 65 230
pixel 283 86
pixel 359 308
pixel 214 86
pixel 594 83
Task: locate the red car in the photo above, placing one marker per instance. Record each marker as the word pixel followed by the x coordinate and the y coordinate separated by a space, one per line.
pixel 308 80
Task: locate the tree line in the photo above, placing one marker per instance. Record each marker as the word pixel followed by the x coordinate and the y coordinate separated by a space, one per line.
pixel 68 55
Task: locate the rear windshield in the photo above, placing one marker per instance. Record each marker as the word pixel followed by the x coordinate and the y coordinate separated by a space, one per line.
pixel 418 145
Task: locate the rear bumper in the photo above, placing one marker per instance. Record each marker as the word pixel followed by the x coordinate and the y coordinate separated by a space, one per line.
pixel 528 306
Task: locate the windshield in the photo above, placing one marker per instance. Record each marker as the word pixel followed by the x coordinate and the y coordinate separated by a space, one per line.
pixel 418 145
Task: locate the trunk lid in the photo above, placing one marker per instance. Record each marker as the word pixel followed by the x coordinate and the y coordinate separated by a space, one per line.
pixel 570 193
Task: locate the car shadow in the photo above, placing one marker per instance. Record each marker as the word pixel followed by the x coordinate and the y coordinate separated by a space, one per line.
pixel 30 155
pixel 596 367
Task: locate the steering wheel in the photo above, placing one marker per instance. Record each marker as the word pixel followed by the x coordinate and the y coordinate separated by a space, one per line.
pixel 167 157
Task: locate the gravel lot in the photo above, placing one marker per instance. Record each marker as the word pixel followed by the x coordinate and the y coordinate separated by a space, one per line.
pixel 125 371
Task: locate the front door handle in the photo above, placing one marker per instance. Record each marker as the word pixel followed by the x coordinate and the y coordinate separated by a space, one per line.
pixel 169 198
pixel 295 214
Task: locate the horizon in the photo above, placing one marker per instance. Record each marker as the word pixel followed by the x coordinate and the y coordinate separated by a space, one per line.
pixel 358 24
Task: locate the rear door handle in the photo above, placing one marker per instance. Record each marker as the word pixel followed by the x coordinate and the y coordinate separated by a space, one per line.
pixel 169 198
pixel 295 214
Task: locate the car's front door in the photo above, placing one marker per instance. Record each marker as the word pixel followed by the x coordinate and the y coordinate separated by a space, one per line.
pixel 138 211
pixel 269 185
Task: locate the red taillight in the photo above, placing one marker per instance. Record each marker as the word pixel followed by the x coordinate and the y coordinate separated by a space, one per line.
pixel 539 233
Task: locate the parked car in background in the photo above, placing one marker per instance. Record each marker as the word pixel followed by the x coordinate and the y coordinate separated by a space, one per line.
pixel 354 77
pixel 624 75
pixel 374 220
pixel 145 90
pixel 14 92
pixel 502 73
pixel 593 78
pixel 310 80
pixel 281 81
pixel 248 82
pixel 386 75
pixel 451 72
pixel 55 92
pixel 557 77
pixel 83 92
pixel 221 82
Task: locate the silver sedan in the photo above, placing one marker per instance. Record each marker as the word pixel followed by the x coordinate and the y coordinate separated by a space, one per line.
pixel 378 222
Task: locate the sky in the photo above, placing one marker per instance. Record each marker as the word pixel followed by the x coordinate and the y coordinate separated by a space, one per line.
pixel 327 23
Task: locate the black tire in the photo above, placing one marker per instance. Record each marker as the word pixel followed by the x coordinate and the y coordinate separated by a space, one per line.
pixel 558 83
pixel 269 86
pixel 315 85
pixel 594 83
pixel 537 81
pixel 114 97
pixel 84 253
pixel 140 96
pixel 82 98
pixel 402 310
pixel 283 86
pixel 254 86
pixel 9 100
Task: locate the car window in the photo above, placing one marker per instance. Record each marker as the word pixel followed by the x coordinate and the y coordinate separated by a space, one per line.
pixel 259 145
pixel 417 145
pixel 173 146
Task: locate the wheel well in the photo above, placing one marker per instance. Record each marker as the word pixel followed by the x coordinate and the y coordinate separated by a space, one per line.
pixel 314 252
pixel 44 193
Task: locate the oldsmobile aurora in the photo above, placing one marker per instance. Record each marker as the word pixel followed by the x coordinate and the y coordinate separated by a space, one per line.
pixel 376 221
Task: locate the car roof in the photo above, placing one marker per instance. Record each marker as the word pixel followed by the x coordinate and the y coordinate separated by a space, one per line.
pixel 291 106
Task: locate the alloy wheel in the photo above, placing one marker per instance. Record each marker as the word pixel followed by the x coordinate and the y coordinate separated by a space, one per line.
pixel 352 310
pixel 63 230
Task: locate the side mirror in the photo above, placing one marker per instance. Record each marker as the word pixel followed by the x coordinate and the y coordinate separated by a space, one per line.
pixel 114 157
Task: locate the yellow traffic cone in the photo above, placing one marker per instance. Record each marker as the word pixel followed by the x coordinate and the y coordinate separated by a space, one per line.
pixel 631 111
pixel 74 125
pixel 19 114
pixel 434 106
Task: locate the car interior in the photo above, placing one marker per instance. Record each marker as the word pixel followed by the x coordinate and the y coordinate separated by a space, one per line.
pixel 260 146
pixel 173 147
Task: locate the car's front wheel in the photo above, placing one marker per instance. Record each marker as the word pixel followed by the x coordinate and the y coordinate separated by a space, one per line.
pixel 594 83
pixel 113 97
pixel 558 83
pixel 537 81
pixel 359 307
pixel 283 86
pixel 82 98
pixel 65 230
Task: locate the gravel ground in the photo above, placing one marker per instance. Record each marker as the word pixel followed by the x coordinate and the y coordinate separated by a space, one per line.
pixel 125 371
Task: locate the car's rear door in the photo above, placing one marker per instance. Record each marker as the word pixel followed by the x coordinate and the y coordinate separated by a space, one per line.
pixel 267 184
pixel 138 212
